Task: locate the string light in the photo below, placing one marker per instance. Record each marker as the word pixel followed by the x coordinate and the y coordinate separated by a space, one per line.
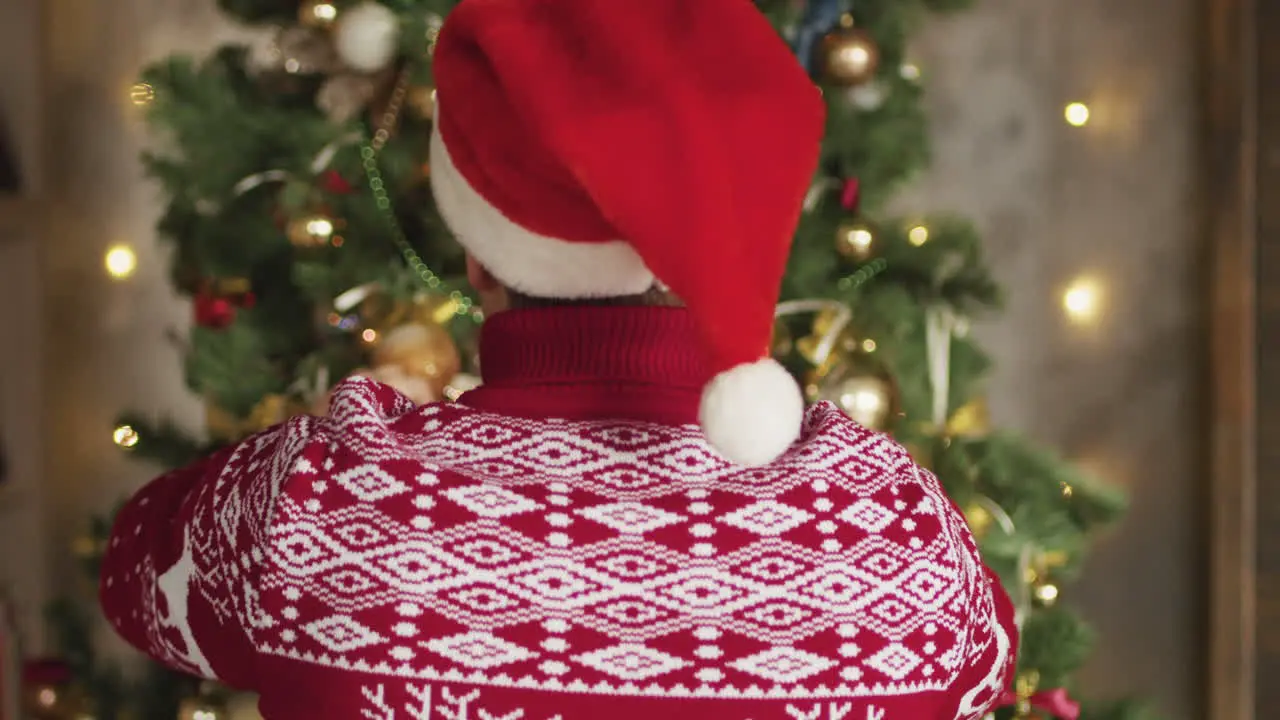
pixel 910 71
pixel 142 94
pixel 1082 300
pixel 323 13
pixel 125 436
pixel 120 261
pixel 47 697
pixel 1047 593
pixel 369 335
pixel 868 345
pixel 1077 114
pixel 918 235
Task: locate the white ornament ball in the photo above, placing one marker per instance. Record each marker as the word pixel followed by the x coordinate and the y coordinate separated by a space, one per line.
pixel 366 36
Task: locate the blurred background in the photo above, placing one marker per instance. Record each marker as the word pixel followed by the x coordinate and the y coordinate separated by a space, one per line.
pixel 1067 130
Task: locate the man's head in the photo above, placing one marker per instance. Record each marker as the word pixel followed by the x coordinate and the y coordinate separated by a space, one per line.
pixel 586 150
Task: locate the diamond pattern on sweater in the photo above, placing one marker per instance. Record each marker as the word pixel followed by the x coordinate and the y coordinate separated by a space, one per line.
pixel 441 543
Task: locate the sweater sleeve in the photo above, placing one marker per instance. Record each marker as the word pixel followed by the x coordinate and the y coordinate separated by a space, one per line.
pixel 179 577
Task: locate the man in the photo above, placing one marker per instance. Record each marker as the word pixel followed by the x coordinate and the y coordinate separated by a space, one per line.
pixel 634 517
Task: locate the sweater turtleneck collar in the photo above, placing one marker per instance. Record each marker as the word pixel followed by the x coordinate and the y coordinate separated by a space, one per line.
pixel 585 362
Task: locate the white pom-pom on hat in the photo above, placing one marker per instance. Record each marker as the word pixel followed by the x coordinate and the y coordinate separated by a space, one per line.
pixel 751 414
pixel 366 36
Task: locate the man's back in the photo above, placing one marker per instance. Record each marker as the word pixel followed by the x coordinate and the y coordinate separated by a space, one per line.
pixel 472 562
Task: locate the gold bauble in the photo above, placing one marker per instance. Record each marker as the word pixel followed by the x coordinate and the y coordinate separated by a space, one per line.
pixel 220 424
pixel 854 239
pixel 317 13
pixel 979 520
pixel 421 99
pixel 271 410
pixel 314 229
pixel 422 350
pixel 848 55
pixel 972 419
pixel 861 389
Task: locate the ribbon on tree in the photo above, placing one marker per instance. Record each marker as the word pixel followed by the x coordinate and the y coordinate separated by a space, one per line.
pixel 318 165
pixel 1026 556
pixel 841 316
pixel 940 326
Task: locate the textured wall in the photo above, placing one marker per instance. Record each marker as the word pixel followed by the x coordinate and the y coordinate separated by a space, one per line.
pixel 1113 198
pixel 106 340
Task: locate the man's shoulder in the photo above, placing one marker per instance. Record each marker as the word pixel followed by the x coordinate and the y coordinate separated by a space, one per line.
pixel 366 417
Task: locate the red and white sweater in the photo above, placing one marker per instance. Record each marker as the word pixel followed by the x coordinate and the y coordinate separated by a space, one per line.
pixel 479 561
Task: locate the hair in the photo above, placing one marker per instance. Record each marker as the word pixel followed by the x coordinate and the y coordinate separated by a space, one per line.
pixel 655 296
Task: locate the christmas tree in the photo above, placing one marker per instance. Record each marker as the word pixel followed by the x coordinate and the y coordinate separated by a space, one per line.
pixel 303 229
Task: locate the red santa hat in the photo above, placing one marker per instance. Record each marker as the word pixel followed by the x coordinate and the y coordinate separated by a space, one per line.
pixel 590 149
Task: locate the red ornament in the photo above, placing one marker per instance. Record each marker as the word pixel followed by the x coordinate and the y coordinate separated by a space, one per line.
pixel 333 182
pixel 849 195
pixel 216 303
pixel 214 312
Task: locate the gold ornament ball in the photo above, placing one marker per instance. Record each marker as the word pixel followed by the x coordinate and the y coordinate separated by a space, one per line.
pixel 420 350
pixel 855 240
pixel 849 55
pixel 421 99
pixel 862 391
pixel 972 419
pixel 317 14
pixel 979 520
pixel 313 230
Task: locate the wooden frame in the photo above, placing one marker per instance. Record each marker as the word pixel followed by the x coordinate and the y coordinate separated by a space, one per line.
pixel 1242 186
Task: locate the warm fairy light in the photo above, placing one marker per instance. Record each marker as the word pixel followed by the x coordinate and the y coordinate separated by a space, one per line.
pixel 324 12
pixel 1082 300
pixel 369 335
pixel 120 261
pixel 142 94
pixel 47 697
pixel 1067 490
pixel 320 227
pixel 918 235
pixel 204 715
pixel 910 71
pixel 869 345
pixel 1047 593
pixel 1077 114
pixel 125 436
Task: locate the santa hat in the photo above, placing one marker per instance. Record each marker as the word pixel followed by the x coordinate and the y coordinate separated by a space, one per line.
pixel 588 149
